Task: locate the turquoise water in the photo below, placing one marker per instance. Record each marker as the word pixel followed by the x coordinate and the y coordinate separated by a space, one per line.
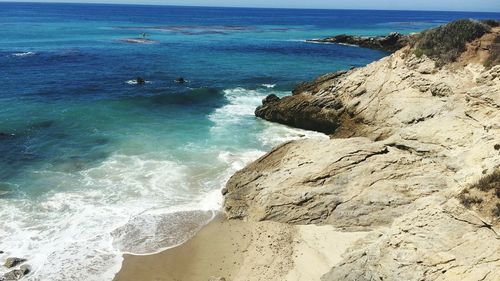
pixel 94 165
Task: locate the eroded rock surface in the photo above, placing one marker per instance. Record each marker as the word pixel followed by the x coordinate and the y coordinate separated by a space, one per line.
pixel 436 242
pixel 407 138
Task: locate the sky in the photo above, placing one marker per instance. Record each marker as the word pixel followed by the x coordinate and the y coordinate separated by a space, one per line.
pixel 434 5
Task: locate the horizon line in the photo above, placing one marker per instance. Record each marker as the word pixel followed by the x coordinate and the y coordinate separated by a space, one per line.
pixel 242 7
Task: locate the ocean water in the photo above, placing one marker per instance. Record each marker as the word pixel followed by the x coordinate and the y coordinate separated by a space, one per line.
pixel 93 165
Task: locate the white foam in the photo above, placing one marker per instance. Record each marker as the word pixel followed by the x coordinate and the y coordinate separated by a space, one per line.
pixel 269 86
pixel 134 82
pixel 347 44
pixel 152 232
pixel 67 234
pixel 241 107
pixel 274 134
pixel 24 54
pixel 80 229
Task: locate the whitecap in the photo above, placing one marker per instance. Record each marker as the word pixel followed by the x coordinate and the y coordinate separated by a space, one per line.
pixel 24 54
pixel 134 82
pixel 269 86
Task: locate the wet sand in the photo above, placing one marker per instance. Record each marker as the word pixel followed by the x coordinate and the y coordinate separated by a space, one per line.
pixel 249 251
pixel 217 250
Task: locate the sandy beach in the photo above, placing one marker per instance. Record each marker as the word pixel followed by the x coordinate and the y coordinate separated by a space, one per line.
pixel 238 250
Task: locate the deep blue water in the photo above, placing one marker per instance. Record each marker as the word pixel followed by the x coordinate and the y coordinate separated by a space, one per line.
pixel 85 151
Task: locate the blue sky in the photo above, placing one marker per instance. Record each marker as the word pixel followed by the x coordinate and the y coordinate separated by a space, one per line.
pixel 446 5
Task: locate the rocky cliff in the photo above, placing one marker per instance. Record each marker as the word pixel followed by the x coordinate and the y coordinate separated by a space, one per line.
pixel 408 138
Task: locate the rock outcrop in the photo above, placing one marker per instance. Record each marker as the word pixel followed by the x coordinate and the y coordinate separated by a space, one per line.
pixel 16 274
pixel 407 138
pixel 390 43
pixel 13 262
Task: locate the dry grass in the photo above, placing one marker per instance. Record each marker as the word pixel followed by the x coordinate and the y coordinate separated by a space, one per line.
pixel 484 195
pixel 489 182
pixel 491 22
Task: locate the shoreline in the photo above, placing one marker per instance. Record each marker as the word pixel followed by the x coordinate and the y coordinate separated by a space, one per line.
pixel 239 250
pixel 174 263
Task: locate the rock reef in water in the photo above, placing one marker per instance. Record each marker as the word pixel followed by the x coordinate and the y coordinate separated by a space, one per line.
pixel 407 137
pixel 390 43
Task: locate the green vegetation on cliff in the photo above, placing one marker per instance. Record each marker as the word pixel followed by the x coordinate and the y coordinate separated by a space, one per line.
pixel 444 44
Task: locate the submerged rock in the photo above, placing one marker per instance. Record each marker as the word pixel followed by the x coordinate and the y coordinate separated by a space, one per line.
pixel 5 136
pixel 140 81
pixel 390 43
pixel 43 124
pixel 12 262
pixel 180 80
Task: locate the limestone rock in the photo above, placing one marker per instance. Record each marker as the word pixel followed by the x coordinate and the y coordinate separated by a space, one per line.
pixel 441 90
pixel 406 139
pixel 436 242
pixel 349 183
pixel 299 111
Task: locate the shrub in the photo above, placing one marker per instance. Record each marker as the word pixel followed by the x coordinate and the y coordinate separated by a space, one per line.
pixel 491 23
pixel 489 182
pixel 484 195
pixel 494 58
pixel 444 44
pixel 468 200
pixel 419 53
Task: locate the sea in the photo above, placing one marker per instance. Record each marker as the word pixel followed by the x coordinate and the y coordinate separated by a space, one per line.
pixel 94 165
